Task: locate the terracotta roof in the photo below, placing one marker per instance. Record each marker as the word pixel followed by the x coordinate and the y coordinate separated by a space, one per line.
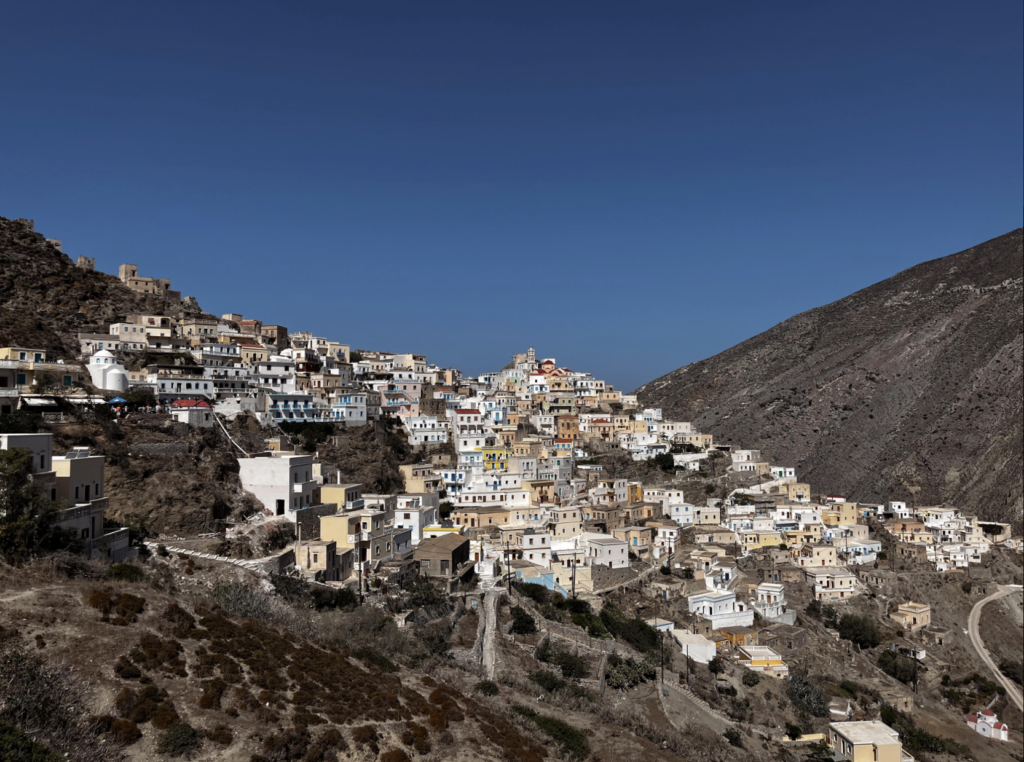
pixel 190 403
pixel 467 411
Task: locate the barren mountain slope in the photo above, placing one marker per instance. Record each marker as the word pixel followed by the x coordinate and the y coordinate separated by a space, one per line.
pixel 45 300
pixel 911 388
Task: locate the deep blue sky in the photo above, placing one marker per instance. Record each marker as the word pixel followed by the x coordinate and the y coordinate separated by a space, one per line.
pixel 629 187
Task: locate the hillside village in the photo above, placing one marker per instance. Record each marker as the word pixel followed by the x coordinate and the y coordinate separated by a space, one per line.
pixel 538 482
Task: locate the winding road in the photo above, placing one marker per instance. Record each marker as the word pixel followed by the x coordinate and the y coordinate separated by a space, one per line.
pixel 974 630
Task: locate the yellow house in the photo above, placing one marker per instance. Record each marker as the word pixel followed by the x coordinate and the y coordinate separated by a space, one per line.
pixel 33 367
pixel 253 353
pixel 799 493
pixel 763 659
pixel 472 518
pixel 348 497
pixel 912 616
pixel 867 741
pixel 839 513
pixel 343 530
pixel 495 458
pixel 634 492
pixel 704 441
pixel 23 354
pixel 809 535
pixel 755 540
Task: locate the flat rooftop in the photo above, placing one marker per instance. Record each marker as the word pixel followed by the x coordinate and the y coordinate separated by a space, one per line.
pixel 864 732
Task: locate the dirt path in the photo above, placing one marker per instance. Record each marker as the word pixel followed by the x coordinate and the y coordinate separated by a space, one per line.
pixel 490 631
pixel 974 630
pixel 27 593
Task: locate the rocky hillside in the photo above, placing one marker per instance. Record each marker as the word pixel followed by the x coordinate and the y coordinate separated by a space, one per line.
pixel 45 300
pixel 909 389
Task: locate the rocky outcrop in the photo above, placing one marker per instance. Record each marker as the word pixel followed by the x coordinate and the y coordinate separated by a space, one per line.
pixel 909 389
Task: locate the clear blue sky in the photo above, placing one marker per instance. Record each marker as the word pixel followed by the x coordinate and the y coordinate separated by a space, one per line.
pixel 627 186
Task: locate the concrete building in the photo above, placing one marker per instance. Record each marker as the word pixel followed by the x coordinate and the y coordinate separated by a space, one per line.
pixel 442 556
pixel 721 608
pixel 867 741
pixel 197 413
pixel 696 647
pixel 284 484
pixel 912 616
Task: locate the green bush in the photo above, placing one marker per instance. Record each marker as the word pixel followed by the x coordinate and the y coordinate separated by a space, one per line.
pixel 734 737
pixel 793 731
pixel 538 593
pixel 859 630
pixel 549 681
pixel 751 678
pixel 571 742
pixel 628 673
pixel 897 666
pixel 716 665
pixel 179 740
pixel 18 747
pixel 522 622
pixel 487 688
pixel 125 572
pixel 635 632
pixel 916 740
pixel 1013 670
pixel 807 697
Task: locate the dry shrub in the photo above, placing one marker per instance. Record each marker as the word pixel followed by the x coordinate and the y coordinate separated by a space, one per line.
pixel 184 623
pixel 366 737
pixel 125 607
pixel 213 690
pixel 286 745
pixel 395 755
pixel 124 732
pixel 221 734
pixel 164 716
pixel 417 736
pixel 153 653
pixel 65 565
pixel 126 670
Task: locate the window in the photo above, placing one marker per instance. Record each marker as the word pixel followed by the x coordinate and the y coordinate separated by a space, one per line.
pixel 316 557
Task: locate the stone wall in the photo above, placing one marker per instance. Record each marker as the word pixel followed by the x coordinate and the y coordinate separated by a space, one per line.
pixel 307 521
pixel 158 449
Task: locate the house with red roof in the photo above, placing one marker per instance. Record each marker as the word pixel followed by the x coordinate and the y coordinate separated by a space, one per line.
pixel 198 413
pixel 986 723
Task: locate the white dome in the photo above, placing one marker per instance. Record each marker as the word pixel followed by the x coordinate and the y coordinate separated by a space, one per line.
pixel 102 354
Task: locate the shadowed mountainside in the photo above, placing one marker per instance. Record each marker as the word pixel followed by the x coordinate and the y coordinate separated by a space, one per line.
pixel 908 389
pixel 45 300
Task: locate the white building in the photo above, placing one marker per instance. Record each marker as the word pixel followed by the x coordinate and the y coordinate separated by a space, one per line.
pixel 106 373
pixel 695 647
pixel 605 550
pixel 425 430
pixel 721 608
pixel 770 602
pixel 414 512
pixel 284 484
pixel 197 413
pixel 986 723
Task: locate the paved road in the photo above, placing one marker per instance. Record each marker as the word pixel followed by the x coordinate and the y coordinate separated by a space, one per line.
pixel 490 630
pixel 973 628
